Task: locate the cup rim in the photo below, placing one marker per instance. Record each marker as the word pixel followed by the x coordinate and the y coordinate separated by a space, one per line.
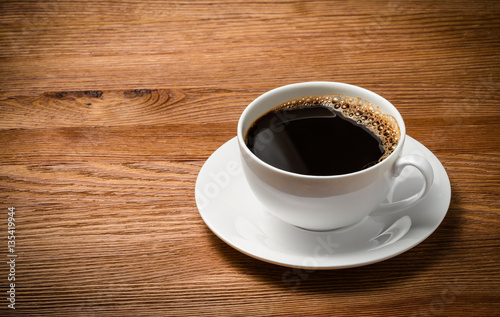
pixel 244 147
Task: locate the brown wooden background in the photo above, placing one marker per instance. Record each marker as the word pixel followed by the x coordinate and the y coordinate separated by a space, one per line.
pixel 108 109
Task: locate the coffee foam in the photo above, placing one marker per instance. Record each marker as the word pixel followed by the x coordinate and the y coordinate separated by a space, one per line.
pixel 360 111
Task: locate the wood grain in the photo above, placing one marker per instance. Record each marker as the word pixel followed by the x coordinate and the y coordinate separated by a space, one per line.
pixel 108 110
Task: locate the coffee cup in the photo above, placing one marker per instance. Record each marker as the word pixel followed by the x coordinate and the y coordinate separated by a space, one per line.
pixel 327 202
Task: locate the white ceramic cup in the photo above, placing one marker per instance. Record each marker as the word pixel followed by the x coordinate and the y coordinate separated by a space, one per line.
pixel 327 202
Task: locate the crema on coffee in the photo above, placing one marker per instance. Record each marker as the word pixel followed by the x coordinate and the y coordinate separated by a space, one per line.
pixel 323 135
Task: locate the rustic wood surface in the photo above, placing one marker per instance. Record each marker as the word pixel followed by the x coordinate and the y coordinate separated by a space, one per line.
pixel 108 110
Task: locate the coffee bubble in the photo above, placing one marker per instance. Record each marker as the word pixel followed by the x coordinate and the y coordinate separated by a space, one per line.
pixel 360 111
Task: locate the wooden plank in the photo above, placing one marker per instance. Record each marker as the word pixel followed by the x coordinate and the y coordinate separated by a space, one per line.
pixel 108 110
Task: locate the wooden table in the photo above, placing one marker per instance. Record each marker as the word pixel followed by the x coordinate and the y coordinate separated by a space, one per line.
pixel 108 110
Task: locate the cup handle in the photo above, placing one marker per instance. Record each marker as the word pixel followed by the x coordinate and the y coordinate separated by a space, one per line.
pixel 425 169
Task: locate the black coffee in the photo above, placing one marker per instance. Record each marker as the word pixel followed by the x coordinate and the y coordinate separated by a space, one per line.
pixel 325 135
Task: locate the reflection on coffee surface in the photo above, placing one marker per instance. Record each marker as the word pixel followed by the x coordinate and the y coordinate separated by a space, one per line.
pixel 323 135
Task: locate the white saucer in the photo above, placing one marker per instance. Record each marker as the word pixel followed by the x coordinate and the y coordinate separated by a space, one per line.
pixel 231 211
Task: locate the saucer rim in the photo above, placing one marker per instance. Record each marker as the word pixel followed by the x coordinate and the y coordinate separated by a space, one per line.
pixel 429 231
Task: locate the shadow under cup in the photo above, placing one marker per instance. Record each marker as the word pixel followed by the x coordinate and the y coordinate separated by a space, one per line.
pixel 317 202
